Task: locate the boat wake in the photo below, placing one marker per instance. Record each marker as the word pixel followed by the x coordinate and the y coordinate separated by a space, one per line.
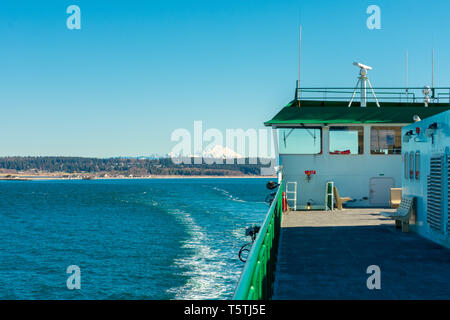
pixel 205 268
pixel 228 194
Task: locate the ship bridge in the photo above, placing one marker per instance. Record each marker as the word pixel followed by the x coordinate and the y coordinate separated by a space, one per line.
pixel 322 137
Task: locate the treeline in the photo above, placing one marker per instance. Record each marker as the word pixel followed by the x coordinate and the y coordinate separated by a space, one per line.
pixel 126 166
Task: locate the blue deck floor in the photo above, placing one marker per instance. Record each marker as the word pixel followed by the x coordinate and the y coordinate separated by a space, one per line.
pixel 318 261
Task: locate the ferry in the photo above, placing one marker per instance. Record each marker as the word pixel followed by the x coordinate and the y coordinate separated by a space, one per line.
pixel 339 163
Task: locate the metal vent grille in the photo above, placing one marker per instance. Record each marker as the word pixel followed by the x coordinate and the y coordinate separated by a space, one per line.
pixel 448 198
pixel 435 188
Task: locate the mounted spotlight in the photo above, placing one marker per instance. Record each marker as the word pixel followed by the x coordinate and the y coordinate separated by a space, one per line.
pixel 408 135
pixel 431 130
pixel 426 91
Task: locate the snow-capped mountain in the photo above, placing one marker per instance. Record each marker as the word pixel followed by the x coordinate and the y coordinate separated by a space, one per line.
pixel 216 152
pixel 219 151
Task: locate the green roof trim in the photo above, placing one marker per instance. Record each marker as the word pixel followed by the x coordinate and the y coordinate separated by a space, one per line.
pixel 318 112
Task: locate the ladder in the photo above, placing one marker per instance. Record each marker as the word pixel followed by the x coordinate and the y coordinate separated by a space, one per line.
pixel 293 193
pixel 329 196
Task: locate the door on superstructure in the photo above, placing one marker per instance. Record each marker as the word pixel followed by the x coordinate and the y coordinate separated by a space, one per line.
pixel 380 191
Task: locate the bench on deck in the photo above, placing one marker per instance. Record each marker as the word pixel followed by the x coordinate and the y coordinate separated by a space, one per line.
pixel 403 213
pixel 396 197
pixel 340 200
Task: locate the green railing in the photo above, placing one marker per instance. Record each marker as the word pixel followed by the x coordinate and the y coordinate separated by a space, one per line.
pixel 257 278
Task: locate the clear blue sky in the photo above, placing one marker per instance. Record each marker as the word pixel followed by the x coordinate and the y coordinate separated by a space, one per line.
pixel 137 70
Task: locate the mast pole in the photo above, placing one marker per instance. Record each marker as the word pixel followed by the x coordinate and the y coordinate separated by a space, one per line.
pixel 406 76
pixel 432 68
pixel 299 65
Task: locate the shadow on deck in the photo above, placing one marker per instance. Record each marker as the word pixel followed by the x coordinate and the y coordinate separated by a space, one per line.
pixel 326 255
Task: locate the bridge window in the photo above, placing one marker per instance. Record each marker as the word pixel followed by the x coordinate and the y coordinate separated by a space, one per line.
pixel 386 140
pixel 346 140
pixel 305 140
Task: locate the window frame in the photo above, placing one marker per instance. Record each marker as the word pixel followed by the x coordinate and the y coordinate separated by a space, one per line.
pixel 301 127
pixel 417 158
pixel 398 135
pixel 406 165
pixel 359 129
pixel 412 159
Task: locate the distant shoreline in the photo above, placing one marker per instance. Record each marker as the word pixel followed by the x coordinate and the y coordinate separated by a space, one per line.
pixel 46 177
pixel 92 168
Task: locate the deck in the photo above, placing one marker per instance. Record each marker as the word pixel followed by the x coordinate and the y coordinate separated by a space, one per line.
pixel 325 255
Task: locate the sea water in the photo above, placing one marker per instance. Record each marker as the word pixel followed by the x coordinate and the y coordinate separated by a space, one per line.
pixel 131 239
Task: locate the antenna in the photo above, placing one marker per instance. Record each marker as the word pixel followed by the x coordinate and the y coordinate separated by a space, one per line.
pixel 363 80
pixel 407 76
pixel 432 68
pixel 299 64
pixel 407 91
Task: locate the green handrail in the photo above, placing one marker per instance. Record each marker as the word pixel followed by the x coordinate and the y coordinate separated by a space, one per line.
pixel 256 282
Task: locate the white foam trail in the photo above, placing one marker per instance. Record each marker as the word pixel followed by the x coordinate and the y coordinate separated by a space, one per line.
pixel 228 195
pixel 207 269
